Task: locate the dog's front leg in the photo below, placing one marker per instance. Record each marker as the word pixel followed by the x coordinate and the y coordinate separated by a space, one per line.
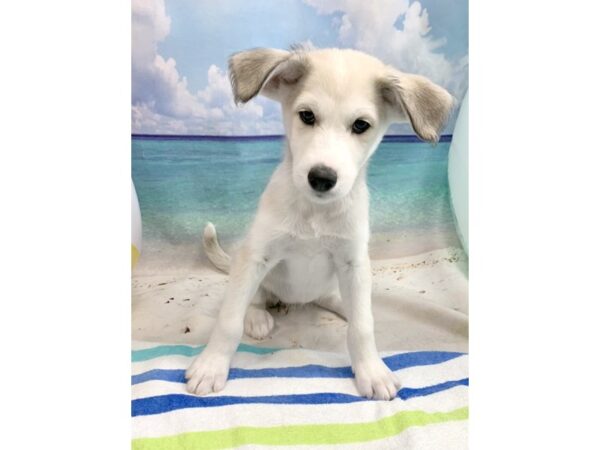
pixel 208 373
pixel 373 378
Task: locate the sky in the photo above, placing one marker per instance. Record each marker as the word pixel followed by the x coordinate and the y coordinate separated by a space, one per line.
pixel 180 48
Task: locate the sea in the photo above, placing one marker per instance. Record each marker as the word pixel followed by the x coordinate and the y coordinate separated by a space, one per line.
pixel 184 181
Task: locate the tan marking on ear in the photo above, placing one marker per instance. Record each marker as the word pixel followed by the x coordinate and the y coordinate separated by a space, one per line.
pixel 426 105
pixel 263 69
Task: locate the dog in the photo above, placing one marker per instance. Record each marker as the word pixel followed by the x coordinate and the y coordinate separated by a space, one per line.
pixel 309 239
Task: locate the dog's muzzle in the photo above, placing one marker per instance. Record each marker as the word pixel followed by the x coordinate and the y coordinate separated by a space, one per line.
pixel 322 178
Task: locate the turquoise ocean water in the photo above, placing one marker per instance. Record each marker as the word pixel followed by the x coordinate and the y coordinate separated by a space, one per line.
pixel 183 182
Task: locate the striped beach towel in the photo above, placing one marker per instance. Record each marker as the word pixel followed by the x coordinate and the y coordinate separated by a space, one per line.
pixel 297 398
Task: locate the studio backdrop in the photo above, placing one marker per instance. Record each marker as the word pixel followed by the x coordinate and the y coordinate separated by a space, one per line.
pixel 199 157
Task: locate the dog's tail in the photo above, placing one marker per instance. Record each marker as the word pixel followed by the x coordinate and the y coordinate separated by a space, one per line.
pixel 213 250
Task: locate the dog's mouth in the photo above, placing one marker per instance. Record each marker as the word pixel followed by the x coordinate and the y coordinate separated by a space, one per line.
pixel 323 197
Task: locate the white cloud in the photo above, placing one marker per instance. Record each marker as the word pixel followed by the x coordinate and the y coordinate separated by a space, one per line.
pixel 145 120
pixel 155 81
pixel 161 99
pixel 409 47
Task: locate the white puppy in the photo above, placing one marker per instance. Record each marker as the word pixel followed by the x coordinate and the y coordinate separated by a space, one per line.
pixel 309 239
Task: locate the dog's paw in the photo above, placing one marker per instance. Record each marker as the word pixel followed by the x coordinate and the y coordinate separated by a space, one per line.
pixel 258 323
pixel 375 380
pixel 208 373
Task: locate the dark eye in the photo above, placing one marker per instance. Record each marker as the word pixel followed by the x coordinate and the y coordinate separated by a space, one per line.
pixel 360 126
pixel 307 117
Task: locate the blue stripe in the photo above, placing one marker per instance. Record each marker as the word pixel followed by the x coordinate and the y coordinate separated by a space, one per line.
pixel 406 393
pixel 172 402
pixel 187 350
pixel 394 362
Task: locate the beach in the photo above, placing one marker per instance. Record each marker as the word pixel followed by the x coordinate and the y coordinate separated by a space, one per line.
pixel 419 303
pixel 420 293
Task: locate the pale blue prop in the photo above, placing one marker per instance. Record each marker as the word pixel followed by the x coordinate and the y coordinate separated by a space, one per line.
pixel 458 173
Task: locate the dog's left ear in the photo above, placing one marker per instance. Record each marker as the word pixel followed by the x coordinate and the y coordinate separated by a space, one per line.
pixel 264 71
pixel 416 99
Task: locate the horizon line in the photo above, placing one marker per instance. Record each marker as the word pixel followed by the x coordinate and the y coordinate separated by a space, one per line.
pixel 404 137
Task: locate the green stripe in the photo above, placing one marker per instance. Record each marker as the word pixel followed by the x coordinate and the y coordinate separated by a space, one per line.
pixel 187 350
pixel 322 434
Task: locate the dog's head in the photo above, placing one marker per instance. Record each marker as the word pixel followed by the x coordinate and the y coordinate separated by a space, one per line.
pixel 337 105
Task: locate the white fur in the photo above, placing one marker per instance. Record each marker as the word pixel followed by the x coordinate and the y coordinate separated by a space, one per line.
pixel 305 246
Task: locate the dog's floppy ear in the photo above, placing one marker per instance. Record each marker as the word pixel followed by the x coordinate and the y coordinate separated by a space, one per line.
pixel 416 99
pixel 263 70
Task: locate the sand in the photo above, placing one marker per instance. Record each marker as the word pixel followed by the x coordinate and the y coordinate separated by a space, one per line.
pixel 420 302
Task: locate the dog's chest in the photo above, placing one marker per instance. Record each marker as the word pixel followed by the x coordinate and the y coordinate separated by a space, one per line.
pixel 312 229
pixel 305 273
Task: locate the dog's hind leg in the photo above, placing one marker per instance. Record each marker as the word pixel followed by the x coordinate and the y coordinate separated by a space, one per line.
pixel 334 304
pixel 258 322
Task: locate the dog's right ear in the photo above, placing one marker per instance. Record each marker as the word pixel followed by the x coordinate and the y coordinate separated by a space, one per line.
pixel 264 71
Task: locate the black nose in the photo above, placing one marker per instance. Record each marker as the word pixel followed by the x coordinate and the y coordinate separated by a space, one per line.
pixel 322 178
